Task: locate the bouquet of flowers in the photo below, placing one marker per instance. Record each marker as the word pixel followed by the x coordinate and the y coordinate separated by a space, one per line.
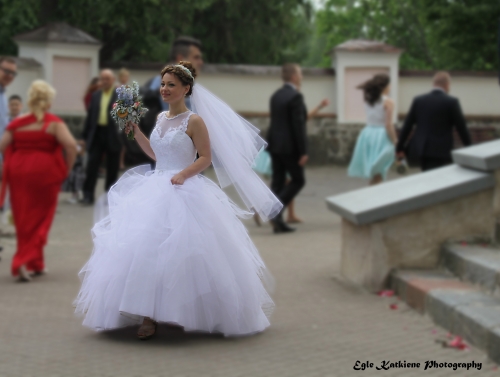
pixel 128 107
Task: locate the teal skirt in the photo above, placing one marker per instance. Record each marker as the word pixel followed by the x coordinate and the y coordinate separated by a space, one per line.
pixel 374 153
pixel 262 163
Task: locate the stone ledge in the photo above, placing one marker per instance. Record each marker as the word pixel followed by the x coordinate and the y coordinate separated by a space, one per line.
pixel 484 156
pixel 478 265
pixel 457 306
pixel 393 198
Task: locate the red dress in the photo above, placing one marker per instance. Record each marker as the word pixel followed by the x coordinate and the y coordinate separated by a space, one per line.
pixel 33 171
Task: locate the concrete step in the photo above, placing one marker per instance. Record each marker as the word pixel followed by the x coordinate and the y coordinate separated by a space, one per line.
pixel 458 306
pixel 475 264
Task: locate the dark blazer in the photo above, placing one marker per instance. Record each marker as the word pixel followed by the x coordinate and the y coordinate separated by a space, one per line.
pixel 434 114
pixel 153 102
pixel 287 133
pixel 91 125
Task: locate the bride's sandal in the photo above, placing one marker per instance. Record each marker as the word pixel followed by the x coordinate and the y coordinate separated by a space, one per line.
pixel 147 329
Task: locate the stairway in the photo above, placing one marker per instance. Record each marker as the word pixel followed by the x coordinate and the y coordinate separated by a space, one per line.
pixel 462 295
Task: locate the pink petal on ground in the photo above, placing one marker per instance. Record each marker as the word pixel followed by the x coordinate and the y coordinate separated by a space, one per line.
pixel 393 306
pixel 463 243
pixel 458 343
pixel 386 293
pixel 434 331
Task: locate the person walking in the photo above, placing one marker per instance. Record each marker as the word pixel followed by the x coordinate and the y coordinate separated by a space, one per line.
pixel 434 116
pixel 8 72
pixel 101 137
pixel 374 151
pixel 173 249
pixel 34 169
pixel 15 106
pixel 123 76
pixel 287 141
pixel 183 49
pixel 262 165
pixel 93 87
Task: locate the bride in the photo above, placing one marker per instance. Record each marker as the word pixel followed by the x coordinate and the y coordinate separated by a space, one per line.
pixel 173 248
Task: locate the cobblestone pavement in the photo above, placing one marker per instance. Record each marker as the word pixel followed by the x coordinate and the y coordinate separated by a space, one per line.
pixel 321 326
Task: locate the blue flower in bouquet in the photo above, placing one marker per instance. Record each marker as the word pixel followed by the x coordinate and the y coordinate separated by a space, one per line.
pixel 128 107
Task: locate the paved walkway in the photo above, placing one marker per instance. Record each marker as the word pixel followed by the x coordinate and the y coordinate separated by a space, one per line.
pixel 321 326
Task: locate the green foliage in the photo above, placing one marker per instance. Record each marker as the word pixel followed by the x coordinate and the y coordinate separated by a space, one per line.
pixel 435 34
pixel 16 17
pixel 232 31
pixel 258 31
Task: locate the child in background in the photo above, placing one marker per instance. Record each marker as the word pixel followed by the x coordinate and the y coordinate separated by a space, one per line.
pixel 74 182
pixel 15 107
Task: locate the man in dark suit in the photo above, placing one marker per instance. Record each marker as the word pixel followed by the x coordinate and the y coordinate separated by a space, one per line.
pixel 435 115
pixel 101 135
pixel 287 141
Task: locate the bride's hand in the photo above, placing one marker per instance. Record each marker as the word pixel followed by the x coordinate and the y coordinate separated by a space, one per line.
pixel 178 179
pixel 130 127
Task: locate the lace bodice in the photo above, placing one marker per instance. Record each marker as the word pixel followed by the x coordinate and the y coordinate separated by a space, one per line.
pixel 375 115
pixel 174 149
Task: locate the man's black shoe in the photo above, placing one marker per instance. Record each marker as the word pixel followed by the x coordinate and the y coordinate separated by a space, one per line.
pixel 86 202
pixel 279 226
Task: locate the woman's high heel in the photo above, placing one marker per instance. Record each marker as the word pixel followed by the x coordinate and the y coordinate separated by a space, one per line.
pixel 24 275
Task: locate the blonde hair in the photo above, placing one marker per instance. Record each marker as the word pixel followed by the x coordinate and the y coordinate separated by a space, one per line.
pixel 40 96
pixel 123 72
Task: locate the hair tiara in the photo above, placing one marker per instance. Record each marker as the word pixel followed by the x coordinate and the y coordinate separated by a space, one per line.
pixel 185 70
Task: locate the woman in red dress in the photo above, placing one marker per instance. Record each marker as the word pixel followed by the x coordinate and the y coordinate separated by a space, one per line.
pixel 34 169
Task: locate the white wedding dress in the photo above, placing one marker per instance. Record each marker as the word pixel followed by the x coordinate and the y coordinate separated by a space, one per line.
pixel 175 253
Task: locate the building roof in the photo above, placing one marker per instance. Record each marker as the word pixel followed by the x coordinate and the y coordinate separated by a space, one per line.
pixel 59 32
pixel 26 63
pixel 365 45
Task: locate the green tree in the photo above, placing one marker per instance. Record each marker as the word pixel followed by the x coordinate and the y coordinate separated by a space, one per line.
pixel 435 34
pixel 232 31
pixel 16 17
pixel 464 33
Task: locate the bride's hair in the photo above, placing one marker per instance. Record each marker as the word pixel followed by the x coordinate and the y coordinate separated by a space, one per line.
pixel 181 74
pixel 40 96
pixel 374 87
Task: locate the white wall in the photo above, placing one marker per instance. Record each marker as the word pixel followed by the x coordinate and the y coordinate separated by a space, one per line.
pixel 477 95
pixel 251 93
pixel 22 82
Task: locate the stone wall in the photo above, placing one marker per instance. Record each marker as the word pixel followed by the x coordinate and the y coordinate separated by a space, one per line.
pixel 329 142
pixel 411 240
pixel 75 124
pixel 333 143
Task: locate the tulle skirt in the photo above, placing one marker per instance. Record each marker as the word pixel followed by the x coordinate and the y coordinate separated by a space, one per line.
pixel 177 254
pixel 374 153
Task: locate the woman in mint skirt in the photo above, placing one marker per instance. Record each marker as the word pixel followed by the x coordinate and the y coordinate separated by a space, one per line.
pixel 375 148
